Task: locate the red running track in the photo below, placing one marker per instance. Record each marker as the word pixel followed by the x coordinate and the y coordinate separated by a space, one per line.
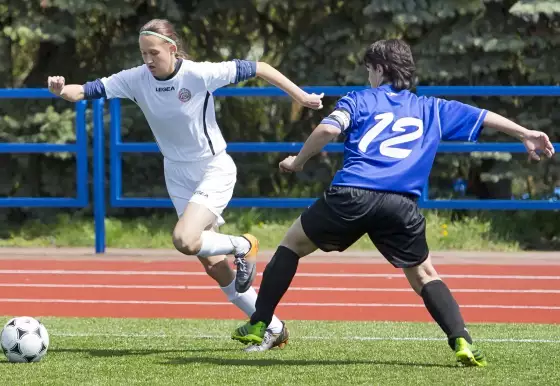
pixel 320 291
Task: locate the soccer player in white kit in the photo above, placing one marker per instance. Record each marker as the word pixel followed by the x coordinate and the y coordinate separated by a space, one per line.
pixel 175 95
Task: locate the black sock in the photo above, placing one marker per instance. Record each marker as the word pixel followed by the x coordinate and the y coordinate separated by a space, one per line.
pixel 444 309
pixel 277 278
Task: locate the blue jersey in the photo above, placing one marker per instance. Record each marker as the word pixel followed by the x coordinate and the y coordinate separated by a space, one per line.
pixel 392 137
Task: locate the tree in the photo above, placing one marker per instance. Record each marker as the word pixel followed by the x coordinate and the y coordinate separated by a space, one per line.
pixel 455 42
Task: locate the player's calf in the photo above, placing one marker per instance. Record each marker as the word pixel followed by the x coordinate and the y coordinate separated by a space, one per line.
pixel 218 268
pixel 438 300
pixel 443 308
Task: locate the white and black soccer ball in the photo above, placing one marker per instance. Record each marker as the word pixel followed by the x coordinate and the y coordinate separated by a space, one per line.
pixel 24 339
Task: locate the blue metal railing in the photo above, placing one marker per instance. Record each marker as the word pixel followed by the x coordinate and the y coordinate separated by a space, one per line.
pixel 80 148
pixel 117 148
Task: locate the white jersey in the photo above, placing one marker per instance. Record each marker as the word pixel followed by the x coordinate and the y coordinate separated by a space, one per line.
pixel 180 111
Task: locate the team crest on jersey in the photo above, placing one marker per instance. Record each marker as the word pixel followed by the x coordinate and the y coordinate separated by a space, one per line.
pixel 184 95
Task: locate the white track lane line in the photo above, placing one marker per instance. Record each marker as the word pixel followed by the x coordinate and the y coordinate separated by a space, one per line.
pixel 303 274
pixel 287 304
pixel 304 289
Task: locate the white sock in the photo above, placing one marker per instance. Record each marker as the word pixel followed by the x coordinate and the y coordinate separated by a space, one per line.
pixel 246 303
pixel 214 244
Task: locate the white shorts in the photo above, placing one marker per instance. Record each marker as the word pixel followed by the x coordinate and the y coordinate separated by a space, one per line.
pixel 208 182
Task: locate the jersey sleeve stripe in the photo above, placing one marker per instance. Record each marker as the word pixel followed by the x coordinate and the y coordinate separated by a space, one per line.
pixel 245 69
pixel 349 100
pixel 477 124
pixel 94 90
pixel 332 122
pixel 438 119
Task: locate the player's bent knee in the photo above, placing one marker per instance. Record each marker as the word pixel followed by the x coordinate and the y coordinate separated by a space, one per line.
pixel 297 241
pixel 186 243
pixel 421 275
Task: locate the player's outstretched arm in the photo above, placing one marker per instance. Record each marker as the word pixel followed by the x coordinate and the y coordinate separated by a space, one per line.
pixel 275 77
pixel 70 92
pixel 322 135
pixel 535 141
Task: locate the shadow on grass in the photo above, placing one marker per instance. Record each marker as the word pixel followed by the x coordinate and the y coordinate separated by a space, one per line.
pixel 122 353
pixel 295 362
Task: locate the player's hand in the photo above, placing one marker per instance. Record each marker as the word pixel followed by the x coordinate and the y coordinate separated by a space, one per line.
pixel 56 84
pixel 538 142
pixel 288 165
pixel 312 101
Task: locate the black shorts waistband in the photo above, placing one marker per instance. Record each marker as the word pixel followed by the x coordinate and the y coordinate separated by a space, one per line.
pixel 339 188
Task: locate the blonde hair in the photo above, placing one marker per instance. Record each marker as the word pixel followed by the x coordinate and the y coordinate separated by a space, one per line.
pixel 165 28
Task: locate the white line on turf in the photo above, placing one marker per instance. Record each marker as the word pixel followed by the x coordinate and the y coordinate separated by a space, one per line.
pixel 318 289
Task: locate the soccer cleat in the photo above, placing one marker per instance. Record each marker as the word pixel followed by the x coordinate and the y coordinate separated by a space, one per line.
pixel 468 355
pixel 246 265
pixel 271 340
pixel 250 333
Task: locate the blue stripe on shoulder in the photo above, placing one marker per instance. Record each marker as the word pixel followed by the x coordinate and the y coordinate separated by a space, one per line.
pixel 246 69
pixel 94 90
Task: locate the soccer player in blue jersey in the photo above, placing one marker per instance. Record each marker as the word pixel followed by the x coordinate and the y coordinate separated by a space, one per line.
pixel 391 139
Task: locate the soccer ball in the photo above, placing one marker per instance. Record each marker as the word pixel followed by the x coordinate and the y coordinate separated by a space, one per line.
pixel 24 339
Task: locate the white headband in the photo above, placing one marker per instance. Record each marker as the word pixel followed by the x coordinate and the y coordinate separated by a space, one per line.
pixel 159 36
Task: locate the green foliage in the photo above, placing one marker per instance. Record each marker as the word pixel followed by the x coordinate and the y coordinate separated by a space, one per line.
pixel 455 42
pixel 509 231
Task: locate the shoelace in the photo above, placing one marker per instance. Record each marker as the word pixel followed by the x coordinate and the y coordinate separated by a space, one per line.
pixel 241 264
pixel 267 337
pixel 265 342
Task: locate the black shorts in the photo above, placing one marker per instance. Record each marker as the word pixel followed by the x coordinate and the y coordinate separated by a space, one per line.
pixel 392 221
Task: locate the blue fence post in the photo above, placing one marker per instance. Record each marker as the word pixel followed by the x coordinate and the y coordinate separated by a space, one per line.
pixel 99 175
pixel 81 154
pixel 115 191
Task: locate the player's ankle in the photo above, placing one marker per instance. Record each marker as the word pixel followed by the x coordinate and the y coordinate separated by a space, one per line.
pixel 241 245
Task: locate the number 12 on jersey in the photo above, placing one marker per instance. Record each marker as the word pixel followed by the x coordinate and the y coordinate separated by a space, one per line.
pixel 386 147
